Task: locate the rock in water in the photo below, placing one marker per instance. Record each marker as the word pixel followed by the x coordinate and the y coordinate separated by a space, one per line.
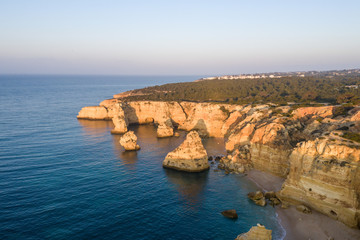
pixel 258 198
pixel 120 122
pixel 256 233
pixel 128 141
pixel 230 214
pixel 190 156
pixel 165 128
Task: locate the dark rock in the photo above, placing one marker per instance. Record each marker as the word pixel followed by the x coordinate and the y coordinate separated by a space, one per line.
pixel 258 198
pixel 255 195
pixel 210 158
pixel 217 158
pixel 269 195
pixel 230 214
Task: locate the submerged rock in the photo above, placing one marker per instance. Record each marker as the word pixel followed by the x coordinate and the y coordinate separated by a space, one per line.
pixel 190 156
pixel 230 214
pixel 256 233
pixel 128 141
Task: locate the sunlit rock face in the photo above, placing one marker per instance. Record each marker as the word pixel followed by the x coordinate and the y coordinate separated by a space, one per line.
pixel 325 175
pixel 165 128
pixel 258 232
pixel 304 145
pixel 143 112
pixel 190 156
pixel 120 122
pixel 129 141
pixel 323 112
pixel 94 113
pixel 207 118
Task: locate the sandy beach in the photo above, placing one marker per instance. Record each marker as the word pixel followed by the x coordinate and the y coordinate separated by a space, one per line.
pixel 300 226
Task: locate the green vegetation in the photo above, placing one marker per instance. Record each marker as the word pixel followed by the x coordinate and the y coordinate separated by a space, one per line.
pixel 224 110
pixel 303 90
pixel 352 136
pixel 342 110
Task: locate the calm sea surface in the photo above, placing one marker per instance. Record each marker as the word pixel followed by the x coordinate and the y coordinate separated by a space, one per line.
pixel 62 178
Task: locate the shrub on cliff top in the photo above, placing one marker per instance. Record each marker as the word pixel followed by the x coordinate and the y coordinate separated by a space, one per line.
pixel 352 136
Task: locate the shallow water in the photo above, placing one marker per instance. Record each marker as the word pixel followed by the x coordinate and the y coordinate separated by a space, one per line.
pixel 63 178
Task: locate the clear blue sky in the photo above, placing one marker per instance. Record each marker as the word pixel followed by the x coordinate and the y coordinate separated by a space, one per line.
pixel 162 37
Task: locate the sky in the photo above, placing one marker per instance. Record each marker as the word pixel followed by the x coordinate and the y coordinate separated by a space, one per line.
pixel 168 37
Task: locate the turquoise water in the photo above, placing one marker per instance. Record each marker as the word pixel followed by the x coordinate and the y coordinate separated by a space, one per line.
pixel 63 178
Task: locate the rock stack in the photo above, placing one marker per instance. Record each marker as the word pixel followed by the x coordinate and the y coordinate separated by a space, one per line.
pixel 128 141
pixel 165 128
pixel 120 122
pixel 190 156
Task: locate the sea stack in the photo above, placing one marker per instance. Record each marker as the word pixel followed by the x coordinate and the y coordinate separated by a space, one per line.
pixel 128 141
pixel 120 122
pixel 190 156
pixel 165 128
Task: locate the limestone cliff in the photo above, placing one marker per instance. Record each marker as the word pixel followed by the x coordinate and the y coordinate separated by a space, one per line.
pixel 119 121
pixel 94 113
pixel 325 175
pixel 306 145
pixel 190 156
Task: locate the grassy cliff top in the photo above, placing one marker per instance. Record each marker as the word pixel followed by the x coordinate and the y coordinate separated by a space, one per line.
pixel 315 89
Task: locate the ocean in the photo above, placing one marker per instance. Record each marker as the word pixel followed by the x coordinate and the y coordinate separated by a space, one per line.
pixel 63 178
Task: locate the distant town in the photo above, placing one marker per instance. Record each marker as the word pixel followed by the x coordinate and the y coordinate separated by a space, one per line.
pixel 329 74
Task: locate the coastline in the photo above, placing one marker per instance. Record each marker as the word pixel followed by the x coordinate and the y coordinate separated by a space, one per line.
pixel 300 226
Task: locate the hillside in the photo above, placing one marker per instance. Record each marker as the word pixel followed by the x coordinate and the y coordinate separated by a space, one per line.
pixel 343 89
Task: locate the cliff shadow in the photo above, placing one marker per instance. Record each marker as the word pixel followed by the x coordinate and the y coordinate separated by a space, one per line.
pixel 130 114
pixel 189 185
pixel 201 128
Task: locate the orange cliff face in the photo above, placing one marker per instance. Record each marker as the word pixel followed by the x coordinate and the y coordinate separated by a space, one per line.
pixel 324 175
pixel 306 147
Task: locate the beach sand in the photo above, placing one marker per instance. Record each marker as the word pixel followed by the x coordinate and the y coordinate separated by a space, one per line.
pixel 300 226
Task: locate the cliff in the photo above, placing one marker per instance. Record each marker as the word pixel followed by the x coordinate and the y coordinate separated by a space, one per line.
pixel 310 146
pixel 325 175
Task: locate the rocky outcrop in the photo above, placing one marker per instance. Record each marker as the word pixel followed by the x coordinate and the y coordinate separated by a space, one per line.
pixel 119 122
pixel 238 161
pixel 129 141
pixel 230 214
pixel 208 118
pixel 258 232
pixel 190 156
pixel 165 128
pixel 325 175
pixel 94 113
pixel 304 145
pixel 309 112
pixel 258 198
